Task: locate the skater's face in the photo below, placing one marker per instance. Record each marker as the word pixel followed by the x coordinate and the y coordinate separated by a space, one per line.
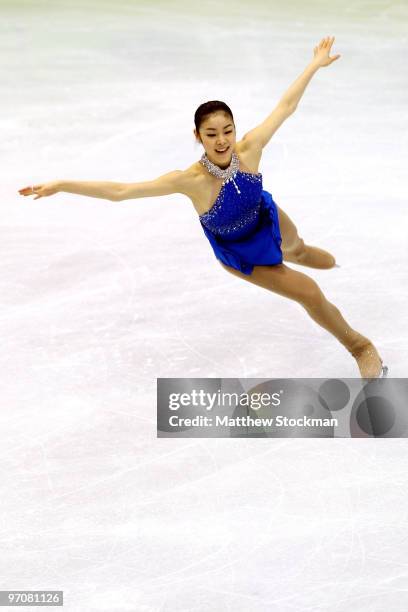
pixel 217 134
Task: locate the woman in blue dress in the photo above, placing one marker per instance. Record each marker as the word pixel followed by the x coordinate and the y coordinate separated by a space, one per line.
pixel 251 236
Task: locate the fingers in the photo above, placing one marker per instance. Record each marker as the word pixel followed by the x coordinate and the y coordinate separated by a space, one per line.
pixel 29 190
pixel 25 190
pixel 327 41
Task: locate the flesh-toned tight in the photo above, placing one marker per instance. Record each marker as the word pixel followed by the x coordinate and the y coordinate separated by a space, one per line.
pixel 289 283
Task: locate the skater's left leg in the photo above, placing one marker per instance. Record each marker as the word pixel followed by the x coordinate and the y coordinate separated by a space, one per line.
pixel 296 251
pixel 281 279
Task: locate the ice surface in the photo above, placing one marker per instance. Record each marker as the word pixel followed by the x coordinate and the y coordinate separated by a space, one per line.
pixel 101 298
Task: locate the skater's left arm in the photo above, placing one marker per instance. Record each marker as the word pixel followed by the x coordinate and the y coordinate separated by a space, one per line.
pixel 261 134
pixel 320 59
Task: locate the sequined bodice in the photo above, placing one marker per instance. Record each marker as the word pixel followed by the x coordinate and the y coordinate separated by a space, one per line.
pixel 236 211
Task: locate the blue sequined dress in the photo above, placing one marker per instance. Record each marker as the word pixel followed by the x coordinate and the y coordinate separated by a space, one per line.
pixel 243 224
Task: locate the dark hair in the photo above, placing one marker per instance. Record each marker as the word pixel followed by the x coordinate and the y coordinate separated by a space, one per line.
pixel 207 108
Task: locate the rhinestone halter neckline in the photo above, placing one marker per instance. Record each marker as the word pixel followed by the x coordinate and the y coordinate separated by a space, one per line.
pixel 227 174
pixel 221 173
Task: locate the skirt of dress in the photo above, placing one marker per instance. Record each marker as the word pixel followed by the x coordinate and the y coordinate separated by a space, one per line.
pixel 262 247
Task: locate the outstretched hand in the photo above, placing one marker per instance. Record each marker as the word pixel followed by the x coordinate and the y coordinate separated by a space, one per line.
pixel 40 191
pixel 322 51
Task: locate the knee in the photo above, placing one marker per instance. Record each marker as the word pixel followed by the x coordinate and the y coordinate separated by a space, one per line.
pixel 311 296
pixel 299 250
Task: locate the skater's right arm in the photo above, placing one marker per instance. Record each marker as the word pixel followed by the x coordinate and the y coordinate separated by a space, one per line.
pixel 107 190
pixel 177 181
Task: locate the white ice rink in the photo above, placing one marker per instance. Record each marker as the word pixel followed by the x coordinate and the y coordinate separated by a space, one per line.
pixel 100 298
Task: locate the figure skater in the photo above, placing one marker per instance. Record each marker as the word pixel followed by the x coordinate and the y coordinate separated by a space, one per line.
pixel 250 234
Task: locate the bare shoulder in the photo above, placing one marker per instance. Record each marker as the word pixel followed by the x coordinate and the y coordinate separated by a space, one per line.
pixel 191 180
pixel 249 153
